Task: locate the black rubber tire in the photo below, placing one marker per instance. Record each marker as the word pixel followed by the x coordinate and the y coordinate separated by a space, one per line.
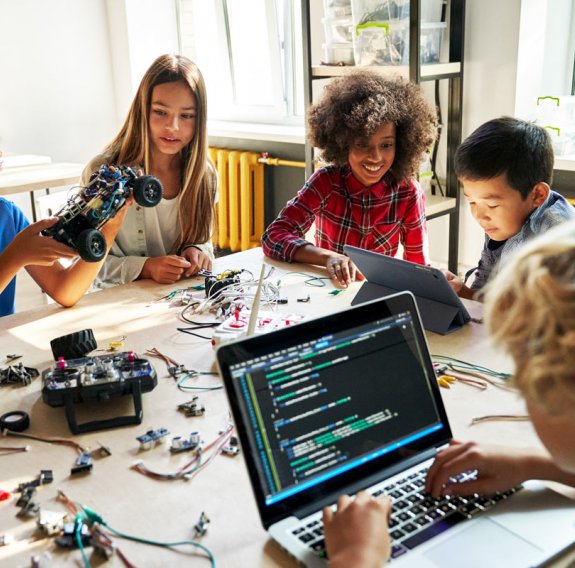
pixel 73 345
pixel 148 191
pixel 91 245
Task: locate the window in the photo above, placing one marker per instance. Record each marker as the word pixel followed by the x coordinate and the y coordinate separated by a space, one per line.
pixel 249 52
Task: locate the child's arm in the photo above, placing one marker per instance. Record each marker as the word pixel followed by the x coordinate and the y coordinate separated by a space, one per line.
pixel 498 468
pixel 67 285
pixel 459 287
pixel 339 266
pixel 357 533
pixel 29 247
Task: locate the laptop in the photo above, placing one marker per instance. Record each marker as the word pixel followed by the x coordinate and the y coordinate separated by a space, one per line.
pixel 441 308
pixel 349 401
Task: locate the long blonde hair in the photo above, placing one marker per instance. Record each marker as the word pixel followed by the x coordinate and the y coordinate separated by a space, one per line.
pixel 530 311
pixel 131 147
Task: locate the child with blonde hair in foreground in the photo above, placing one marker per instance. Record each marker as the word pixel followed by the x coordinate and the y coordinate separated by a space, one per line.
pixel 530 313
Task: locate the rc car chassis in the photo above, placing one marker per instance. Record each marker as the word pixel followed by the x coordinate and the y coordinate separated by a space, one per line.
pixel 95 204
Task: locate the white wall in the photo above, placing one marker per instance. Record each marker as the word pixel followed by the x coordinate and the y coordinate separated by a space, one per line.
pixel 69 69
pixel 56 96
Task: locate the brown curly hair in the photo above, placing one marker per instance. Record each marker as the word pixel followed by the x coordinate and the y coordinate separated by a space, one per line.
pixel 530 312
pixel 356 105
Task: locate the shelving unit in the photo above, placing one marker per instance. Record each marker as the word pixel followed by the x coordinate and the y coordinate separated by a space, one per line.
pixel 451 71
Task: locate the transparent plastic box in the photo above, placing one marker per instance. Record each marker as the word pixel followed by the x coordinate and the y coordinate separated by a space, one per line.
pixel 381 31
pixel 557 115
pixel 337 8
pixel 387 43
pixel 339 54
pixel 338 30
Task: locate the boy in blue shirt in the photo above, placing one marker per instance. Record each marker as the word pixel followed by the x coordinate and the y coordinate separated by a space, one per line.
pixel 506 168
pixel 22 246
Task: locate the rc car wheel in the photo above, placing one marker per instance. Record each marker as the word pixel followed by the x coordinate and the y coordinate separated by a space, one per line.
pixel 91 245
pixel 147 191
pixel 74 345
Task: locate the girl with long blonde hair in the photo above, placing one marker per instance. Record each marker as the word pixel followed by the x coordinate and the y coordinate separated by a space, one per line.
pixel 165 135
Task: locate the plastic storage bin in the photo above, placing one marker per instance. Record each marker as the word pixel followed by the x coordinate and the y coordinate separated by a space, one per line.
pixel 387 43
pixel 381 32
pixel 557 115
pixel 337 8
pixel 339 54
pixel 338 30
pixel 338 26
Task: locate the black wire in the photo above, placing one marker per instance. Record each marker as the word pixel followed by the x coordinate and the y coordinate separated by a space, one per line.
pixel 200 323
pixel 189 332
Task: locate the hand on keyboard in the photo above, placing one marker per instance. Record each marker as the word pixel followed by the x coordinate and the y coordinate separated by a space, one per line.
pixel 356 534
pixel 497 468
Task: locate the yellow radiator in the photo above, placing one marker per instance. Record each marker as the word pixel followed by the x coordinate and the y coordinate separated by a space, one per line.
pixel 240 208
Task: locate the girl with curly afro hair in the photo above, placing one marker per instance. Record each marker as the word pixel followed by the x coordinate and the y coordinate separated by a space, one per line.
pixel 372 131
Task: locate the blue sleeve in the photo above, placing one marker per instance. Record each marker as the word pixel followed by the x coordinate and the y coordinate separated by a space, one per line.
pixel 12 221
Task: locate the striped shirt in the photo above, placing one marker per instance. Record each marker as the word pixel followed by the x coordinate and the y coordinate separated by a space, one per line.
pixel 376 218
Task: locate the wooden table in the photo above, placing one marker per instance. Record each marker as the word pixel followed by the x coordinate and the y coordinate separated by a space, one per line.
pixel 168 510
pixel 38 176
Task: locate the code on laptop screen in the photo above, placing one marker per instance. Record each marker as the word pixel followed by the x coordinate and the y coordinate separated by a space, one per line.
pixel 323 407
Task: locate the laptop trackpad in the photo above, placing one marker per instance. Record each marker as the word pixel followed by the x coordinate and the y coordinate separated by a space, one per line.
pixel 483 543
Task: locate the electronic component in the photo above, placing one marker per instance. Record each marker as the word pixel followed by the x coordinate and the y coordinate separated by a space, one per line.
pixel 26 496
pixel 177 370
pixel 192 407
pixel 28 510
pixel 151 438
pixel 215 284
pixel 83 464
pixel 180 444
pixel 69 537
pixel 230 450
pixel 201 527
pixel 18 374
pixel 104 451
pixel 97 379
pixel 237 325
pixel 51 522
pixel 46 476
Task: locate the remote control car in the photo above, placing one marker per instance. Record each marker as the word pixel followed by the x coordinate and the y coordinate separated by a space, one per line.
pixel 95 204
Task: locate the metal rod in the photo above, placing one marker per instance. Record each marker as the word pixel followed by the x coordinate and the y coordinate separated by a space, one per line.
pixel 279 162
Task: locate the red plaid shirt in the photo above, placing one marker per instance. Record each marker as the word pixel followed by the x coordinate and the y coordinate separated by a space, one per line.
pixel 375 218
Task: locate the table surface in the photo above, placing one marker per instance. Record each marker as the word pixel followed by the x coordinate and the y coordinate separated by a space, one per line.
pixel 20 179
pixel 168 510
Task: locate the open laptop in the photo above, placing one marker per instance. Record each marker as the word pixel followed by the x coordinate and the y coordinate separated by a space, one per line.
pixel 349 401
pixel 441 309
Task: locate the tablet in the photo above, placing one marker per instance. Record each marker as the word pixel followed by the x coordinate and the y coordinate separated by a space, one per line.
pixel 440 307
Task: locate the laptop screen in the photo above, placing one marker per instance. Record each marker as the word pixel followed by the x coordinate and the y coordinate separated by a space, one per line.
pixel 333 399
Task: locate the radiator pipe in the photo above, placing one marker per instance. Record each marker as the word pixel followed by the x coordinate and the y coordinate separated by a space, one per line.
pixel 278 162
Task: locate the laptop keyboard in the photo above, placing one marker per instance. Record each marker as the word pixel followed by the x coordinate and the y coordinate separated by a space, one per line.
pixel 416 516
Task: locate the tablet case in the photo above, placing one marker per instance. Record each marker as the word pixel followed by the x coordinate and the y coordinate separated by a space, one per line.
pixel 440 307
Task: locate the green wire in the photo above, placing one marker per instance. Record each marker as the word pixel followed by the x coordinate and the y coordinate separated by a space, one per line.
pixel 191 375
pixel 78 522
pixel 471 367
pixel 164 544
pixel 94 517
